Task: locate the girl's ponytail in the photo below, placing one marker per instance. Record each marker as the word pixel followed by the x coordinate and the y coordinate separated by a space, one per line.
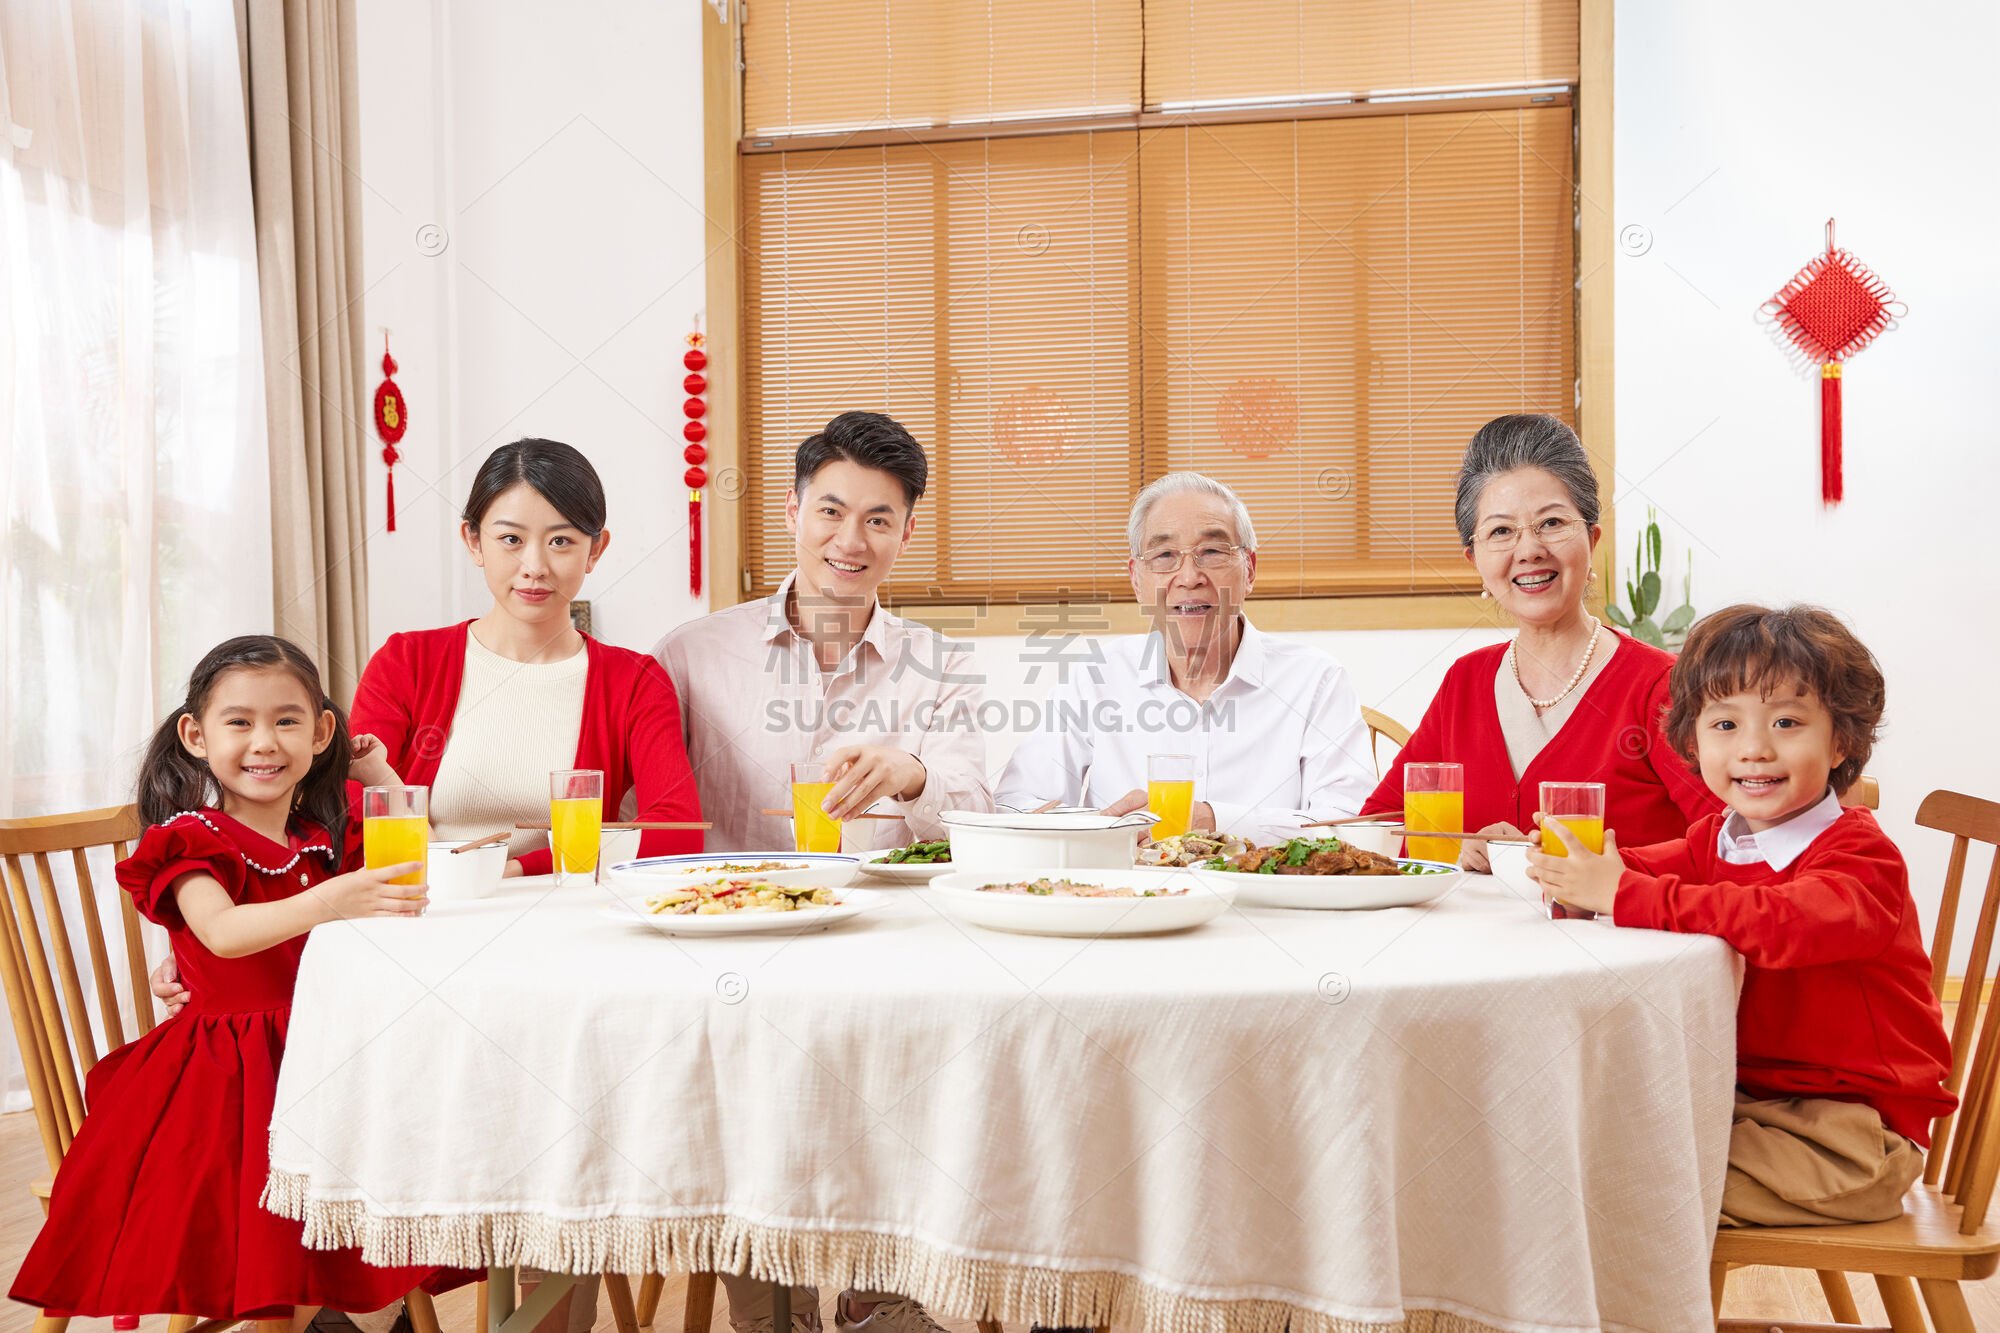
pixel 171 779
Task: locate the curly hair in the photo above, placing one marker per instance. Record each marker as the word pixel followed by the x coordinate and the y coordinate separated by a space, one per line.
pixel 1748 647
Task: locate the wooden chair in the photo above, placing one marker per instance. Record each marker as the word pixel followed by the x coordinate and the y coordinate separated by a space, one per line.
pixel 1943 1237
pixel 1380 725
pixel 1866 793
pixel 52 1019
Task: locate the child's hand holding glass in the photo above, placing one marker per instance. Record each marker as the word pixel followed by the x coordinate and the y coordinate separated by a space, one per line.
pixel 362 893
pixel 1582 878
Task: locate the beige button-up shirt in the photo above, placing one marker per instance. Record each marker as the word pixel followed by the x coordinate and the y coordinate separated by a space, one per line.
pixel 754 701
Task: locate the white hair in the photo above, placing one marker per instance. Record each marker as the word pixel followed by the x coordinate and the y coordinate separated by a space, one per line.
pixel 1189 483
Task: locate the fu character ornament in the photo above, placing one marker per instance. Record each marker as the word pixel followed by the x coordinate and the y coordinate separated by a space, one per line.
pixel 392 418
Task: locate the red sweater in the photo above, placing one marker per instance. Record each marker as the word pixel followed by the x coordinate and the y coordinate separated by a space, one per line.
pixel 408 696
pixel 1613 737
pixel 1837 999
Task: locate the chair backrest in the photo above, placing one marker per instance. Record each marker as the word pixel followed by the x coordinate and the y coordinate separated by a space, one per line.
pixel 1866 793
pixel 39 967
pixel 1380 725
pixel 1965 1148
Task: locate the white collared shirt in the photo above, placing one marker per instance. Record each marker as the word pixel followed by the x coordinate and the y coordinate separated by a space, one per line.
pixel 754 701
pixel 1280 741
pixel 1779 845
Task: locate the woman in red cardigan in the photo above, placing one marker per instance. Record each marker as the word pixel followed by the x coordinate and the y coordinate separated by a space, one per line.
pixel 1570 699
pixel 483 711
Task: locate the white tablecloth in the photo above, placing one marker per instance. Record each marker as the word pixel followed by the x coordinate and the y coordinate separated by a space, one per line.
pixel 1463 1116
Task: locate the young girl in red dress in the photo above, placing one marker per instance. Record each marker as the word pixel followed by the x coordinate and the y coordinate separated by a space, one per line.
pixel 156 1209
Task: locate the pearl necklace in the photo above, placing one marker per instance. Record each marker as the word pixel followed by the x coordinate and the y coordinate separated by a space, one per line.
pixel 284 869
pixel 1513 658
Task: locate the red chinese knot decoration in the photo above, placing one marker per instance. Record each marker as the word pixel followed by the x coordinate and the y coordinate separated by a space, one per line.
pixel 1258 417
pixel 694 432
pixel 1831 309
pixel 392 418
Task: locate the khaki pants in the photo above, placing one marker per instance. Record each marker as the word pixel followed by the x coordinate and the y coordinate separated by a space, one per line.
pixel 1808 1161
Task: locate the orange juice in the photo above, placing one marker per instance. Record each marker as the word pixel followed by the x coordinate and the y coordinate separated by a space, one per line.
pixel 1440 810
pixel 388 840
pixel 575 825
pixel 1589 831
pixel 813 829
pixel 1173 802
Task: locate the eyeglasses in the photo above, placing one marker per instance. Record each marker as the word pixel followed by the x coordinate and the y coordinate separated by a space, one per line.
pixel 1208 557
pixel 1554 530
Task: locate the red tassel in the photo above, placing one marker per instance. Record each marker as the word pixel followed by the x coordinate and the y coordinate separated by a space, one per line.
pixel 392 499
pixel 1829 433
pixel 694 543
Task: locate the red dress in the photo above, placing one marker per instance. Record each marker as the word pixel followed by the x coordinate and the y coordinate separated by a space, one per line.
pixel 155 1210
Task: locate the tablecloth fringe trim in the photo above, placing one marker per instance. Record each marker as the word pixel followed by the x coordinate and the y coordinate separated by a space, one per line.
pixel 867 1261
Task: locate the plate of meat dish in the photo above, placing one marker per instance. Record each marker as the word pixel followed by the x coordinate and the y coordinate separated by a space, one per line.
pixel 1327 873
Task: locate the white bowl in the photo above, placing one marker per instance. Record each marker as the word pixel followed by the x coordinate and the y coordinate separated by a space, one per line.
pixel 959 893
pixel 1510 867
pixel 1349 893
pixel 1374 837
pixel 1063 839
pixel 617 844
pixel 463 876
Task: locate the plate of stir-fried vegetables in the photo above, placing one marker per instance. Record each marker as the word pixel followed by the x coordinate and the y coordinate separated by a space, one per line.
pixel 918 863
pixel 745 905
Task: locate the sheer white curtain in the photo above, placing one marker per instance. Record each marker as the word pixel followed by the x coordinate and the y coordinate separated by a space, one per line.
pixel 134 477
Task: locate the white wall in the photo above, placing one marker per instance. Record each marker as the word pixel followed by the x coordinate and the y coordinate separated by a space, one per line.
pixel 560 148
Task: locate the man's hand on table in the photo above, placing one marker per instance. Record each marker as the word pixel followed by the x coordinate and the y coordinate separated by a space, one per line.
pixel 1201 815
pixel 865 774
pixel 1472 855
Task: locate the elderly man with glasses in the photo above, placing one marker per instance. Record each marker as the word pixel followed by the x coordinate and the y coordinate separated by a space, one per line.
pixel 1272 727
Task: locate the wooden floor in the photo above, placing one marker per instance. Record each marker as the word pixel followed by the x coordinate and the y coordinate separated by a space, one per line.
pixel 1754 1293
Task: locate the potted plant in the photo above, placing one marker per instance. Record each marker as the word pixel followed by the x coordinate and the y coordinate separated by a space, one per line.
pixel 1643 592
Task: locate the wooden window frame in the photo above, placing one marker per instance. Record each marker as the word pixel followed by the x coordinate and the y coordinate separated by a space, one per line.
pixel 722 178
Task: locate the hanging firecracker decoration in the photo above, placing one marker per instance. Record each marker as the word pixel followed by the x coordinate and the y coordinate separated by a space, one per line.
pixel 392 418
pixel 1831 309
pixel 696 453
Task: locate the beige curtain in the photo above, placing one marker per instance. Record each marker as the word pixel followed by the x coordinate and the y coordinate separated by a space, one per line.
pixel 299 80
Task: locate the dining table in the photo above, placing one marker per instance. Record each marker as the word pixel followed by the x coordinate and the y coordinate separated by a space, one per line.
pixel 1457 1116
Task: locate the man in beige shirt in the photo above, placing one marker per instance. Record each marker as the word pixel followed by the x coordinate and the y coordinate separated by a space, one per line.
pixel 819 671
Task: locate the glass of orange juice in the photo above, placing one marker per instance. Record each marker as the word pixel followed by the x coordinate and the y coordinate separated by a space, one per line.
pixel 576 822
pixel 1577 804
pixel 1434 799
pixel 1170 793
pixel 395 827
pixel 813 829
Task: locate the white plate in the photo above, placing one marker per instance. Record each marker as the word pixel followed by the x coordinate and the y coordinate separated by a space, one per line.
pixel 853 902
pixel 1087 918
pixel 922 872
pixel 637 880
pixel 1352 893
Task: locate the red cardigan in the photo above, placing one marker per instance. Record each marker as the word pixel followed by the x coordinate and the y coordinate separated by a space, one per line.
pixel 1837 999
pixel 408 696
pixel 1613 737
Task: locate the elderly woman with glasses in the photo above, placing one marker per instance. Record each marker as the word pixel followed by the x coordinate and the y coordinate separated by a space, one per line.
pixel 1570 699
pixel 1269 729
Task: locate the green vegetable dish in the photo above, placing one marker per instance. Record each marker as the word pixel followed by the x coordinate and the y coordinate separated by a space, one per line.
pixel 1318 856
pixel 920 854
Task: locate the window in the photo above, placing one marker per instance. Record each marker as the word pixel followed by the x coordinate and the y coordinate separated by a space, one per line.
pixel 1305 248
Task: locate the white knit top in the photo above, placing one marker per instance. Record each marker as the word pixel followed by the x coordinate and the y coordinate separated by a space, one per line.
pixel 516 723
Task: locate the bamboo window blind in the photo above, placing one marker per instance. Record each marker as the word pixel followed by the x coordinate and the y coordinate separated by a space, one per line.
pixel 1306 248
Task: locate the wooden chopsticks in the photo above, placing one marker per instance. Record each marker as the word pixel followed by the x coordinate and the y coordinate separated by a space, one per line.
pixel 486 841
pixel 668 825
pixel 1506 838
pixel 786 814
pixel 1349 819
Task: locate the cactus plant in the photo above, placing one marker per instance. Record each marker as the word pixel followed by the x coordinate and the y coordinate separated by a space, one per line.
pixel 1643 591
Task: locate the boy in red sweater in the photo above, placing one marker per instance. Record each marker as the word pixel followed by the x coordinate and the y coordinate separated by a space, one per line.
pixel 1841 1053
